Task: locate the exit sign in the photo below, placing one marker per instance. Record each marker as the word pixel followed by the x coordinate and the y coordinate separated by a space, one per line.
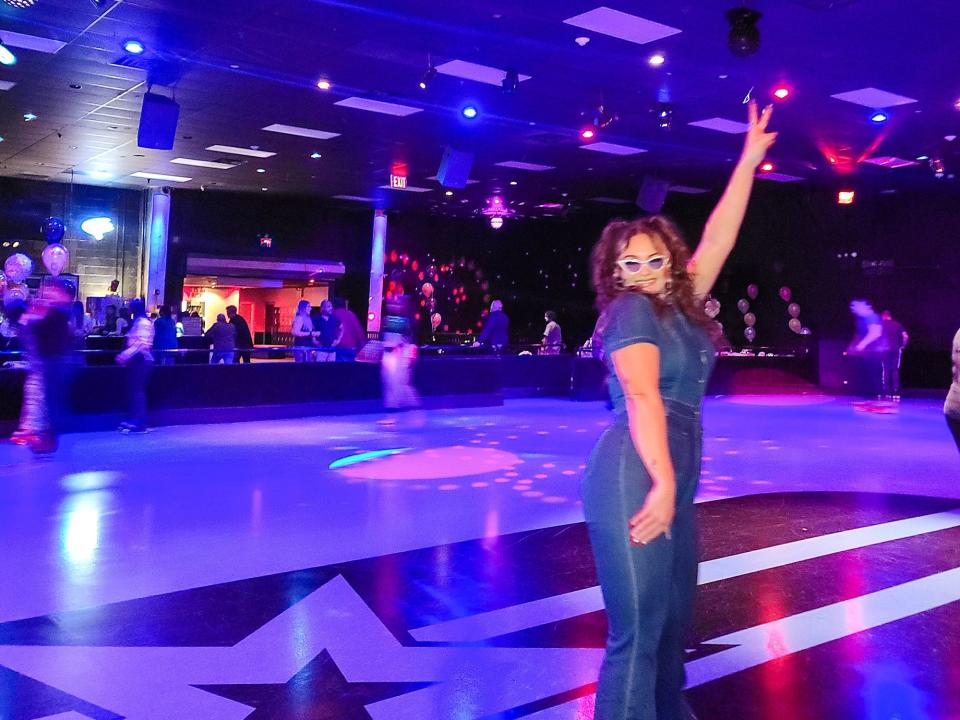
pixel 398 182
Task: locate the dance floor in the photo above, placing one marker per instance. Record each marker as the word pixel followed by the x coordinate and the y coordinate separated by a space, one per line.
pixel 414 567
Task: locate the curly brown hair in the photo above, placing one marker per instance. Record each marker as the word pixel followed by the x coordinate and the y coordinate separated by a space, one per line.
pixel 615 237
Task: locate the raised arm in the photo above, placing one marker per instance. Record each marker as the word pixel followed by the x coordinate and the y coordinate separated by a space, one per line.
pixel 720 233
pixel 638 370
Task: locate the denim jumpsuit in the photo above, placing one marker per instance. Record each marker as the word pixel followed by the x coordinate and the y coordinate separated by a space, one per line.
pixel 649 589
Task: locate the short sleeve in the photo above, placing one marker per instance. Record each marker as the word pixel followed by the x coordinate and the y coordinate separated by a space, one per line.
pixel 631 320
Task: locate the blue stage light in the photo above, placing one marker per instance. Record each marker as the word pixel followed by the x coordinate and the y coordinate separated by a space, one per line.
pixel 879 117
pixel 6 55
pixel 470 112
pixel 134 47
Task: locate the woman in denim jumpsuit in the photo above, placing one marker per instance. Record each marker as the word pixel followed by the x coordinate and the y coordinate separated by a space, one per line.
pixel 642 476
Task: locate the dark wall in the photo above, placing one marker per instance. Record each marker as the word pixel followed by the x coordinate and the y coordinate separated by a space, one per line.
pixel 25 203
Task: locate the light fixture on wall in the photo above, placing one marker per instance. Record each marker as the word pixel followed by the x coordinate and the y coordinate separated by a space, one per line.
pixel 6 55
pixel 97 227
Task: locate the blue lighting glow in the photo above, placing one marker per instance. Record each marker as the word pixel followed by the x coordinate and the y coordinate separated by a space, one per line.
pixel 361 457
pixel 134 47
pixel 6 56
pixel 97 227
pixel 470 112
pixel 879 117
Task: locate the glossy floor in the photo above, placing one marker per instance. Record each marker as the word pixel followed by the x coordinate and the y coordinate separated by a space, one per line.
pixel 436 566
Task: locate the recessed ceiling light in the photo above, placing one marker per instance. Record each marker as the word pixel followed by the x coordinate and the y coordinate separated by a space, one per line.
pixel 582 41
pixel 234 67
pixel 133 46
pixel 879 117
pixel 588 134
pixel 449 193
pixel 656 60
pixel 324 84
pixel 767 167
pixel 315 156
pixel 781 93
pixel 264 189
pixel 29 117
pixel 923 157
pixel 949 138
pixel 301 131
pixel 470 112
pixel 724 76
pixel 261 170
pixel 513 182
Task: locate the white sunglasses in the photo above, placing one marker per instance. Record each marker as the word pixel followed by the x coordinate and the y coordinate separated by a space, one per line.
pixel 632 266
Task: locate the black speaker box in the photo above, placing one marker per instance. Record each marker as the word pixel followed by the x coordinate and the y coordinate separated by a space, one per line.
pixel 455 168
pixel 158 122
pixel 653 193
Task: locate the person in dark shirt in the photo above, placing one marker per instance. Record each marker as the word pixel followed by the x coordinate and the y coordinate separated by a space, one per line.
pixel 496 331
pixel 895 340
pixel 329 332
pixel 165 337
pixel 244 338
pixel 223 336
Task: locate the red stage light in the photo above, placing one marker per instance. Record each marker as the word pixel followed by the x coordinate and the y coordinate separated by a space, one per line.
pixel 781 93
pixel 767 167
pixel 588 134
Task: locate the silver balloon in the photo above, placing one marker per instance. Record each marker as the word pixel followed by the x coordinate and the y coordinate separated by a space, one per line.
pixel 793 309
pixel 750 319
pixel 742 305
pixel 750 334
pixel 18 267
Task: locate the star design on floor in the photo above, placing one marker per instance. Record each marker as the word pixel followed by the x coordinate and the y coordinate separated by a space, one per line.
pixel 318 692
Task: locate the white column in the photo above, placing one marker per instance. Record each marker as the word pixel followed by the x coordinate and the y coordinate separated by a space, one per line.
pixel 156 235
pixel 378 249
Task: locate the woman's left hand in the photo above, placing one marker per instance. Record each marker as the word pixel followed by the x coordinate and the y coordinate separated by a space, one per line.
pixel 758 140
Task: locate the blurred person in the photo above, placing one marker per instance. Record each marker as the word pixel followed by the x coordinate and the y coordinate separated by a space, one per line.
pixel 328 333
pixel 109 320
pixel 399 356
pixel 303 333
pixel 138 361
pixel 165 343
pixel 352 336
pixel 81 323
pixel 124 319
pixel 868 343
pixel 244 338
pixel 49 342
pixel 895 340
pixel 223 336
pixel 12 327
pixel 496 330
pixel 552 342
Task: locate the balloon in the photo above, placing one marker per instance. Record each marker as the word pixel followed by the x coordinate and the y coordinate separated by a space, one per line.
pixel 14 293
pixel 435 320
pixel 742 305
pixel 785 294
pixel 18 267
pixel 52 229
pixel 750 319
pixel 750 334
pixel 427 290
pixel 55 258
pixel 793 309
pixel 712 307
pixel 752 291
pixel 794 325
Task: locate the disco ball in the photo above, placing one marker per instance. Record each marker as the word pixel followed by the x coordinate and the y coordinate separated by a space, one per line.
pixel 20 3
